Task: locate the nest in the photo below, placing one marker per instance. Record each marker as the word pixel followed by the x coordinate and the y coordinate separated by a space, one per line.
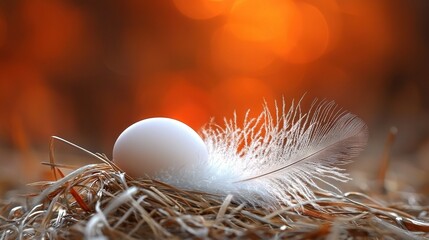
pixel 99 201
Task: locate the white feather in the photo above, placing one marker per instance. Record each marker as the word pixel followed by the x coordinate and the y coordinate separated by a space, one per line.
pixel 276 159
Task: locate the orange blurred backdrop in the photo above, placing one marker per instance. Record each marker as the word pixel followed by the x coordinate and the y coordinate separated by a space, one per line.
pixel 85 70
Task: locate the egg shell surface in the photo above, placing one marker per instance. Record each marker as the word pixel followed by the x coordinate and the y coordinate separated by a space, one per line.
pixel 156 145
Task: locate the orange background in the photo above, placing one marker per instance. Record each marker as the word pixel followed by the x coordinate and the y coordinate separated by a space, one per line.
pixel 85 70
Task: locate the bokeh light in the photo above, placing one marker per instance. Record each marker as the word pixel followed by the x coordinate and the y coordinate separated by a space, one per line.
pixel 314 35
pixel 86 70
pixel 228 52
pixel 259 20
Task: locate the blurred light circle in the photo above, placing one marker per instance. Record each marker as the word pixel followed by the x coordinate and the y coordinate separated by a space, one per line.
pixel 314 36
pixel 289 35
pixel 229 52
pixel 259 20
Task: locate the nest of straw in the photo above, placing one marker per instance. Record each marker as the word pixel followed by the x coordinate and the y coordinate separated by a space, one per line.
pixel 98 201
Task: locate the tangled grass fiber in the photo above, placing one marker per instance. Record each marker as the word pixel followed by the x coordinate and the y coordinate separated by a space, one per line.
pixel 98 201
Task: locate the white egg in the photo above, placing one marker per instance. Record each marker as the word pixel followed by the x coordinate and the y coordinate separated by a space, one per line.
pixel 154 145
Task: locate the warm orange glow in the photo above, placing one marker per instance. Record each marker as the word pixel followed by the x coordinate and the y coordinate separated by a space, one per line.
pixel 314 38
pixel 332 14
pixel 231 53
pixel 371 37
pixel 176 96
pixel 55 30
pixel 186 102
pixel 202 9
pixel 86 71
pixel 28 99
pixel 259 20
pixel 240 94
pixel 290 34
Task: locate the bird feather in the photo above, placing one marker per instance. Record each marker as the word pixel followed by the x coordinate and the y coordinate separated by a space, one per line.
pixel 277 158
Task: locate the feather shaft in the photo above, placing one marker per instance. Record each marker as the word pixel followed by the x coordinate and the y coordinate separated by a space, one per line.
pixel 277 158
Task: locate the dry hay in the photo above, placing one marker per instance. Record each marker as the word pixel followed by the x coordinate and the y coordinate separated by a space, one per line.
pixel 98 201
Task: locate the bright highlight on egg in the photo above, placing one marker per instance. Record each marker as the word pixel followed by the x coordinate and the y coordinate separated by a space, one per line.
pixel 156 145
